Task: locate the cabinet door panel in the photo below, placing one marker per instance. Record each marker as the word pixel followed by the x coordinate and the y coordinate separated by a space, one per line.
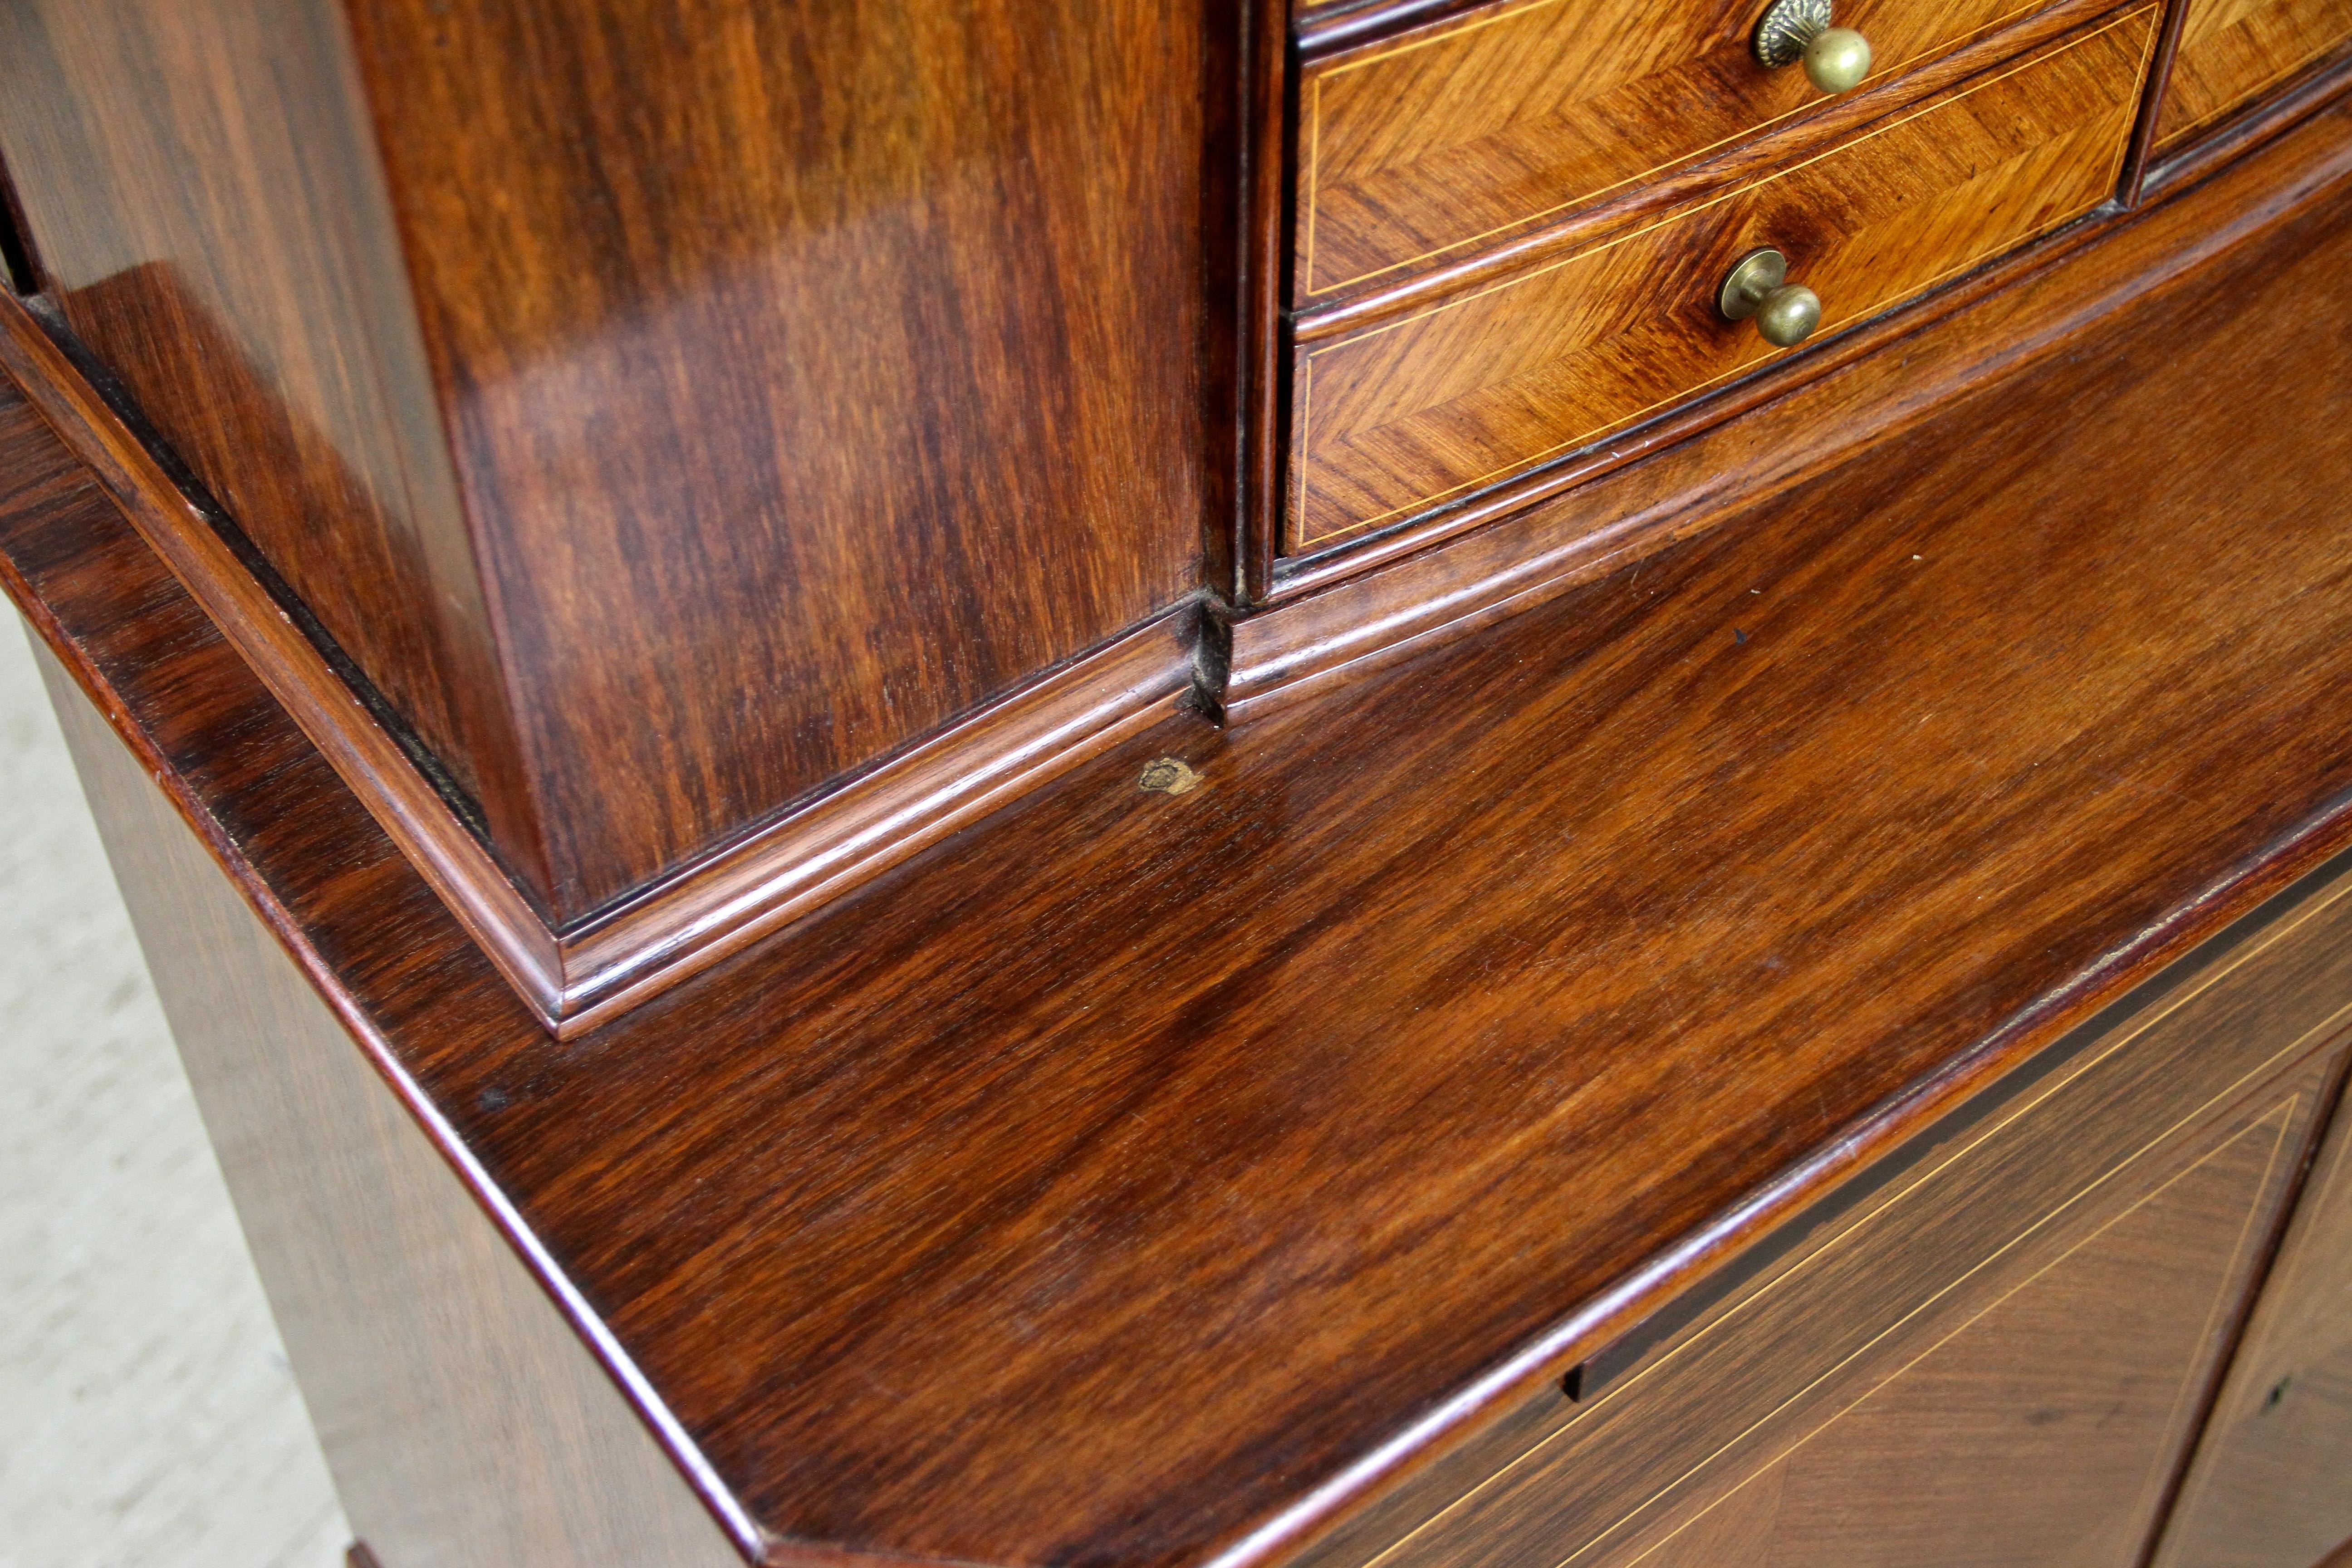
pixel 2038 1430
pixel 2030 1304
pixel 2272 1485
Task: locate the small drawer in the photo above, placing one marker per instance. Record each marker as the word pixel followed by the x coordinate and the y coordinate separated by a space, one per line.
pixel 2231 51
pixel 1399 418
pixel 1414 150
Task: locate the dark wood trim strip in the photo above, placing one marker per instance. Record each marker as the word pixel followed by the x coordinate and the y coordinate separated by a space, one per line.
pixel 913 799
pixel 1326 29
pixel 180 530
pixel 1866 387
pixel 2210 154
pixel 2151 105
pixel 20 264
pixel 1266 138
pixel 582 975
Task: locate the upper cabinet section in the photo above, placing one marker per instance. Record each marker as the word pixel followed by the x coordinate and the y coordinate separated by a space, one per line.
pixel 812 373
pixel 672 408
pixel 1404 416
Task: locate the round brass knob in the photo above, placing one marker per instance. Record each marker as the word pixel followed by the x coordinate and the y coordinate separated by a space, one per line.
pixel 1784 312
pixel 1836 58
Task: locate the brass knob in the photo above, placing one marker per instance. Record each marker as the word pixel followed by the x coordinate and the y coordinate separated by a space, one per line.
pixel 1836 58
pixel 1785 313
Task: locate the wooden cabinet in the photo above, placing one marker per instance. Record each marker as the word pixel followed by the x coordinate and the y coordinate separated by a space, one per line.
pixel 1100 783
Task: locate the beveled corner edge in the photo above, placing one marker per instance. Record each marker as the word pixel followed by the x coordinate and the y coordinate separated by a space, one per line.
pixel 177 527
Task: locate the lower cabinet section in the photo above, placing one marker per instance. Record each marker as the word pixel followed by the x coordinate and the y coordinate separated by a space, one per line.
pixel 1999 1353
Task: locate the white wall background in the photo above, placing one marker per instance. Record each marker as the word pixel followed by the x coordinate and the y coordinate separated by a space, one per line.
pixel 147 1416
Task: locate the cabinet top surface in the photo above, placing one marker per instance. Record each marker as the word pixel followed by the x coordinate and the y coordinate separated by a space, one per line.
pixel 1099 1184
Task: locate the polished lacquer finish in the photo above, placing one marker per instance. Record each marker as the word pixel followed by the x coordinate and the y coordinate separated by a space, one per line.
pixel 1403 417
pixel 623 496
pixel 1461 133
pixel 2267 1487
pixel 1145 1177
pixel 2233 51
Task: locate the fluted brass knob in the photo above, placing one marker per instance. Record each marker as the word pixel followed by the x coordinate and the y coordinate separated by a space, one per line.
pixel 1836 58
pixel 1758 288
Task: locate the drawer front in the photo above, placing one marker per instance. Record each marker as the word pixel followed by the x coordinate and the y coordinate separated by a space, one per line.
pixel 1412 150
pixel 1997 1356
pixel 2232 50
pixel 1403 417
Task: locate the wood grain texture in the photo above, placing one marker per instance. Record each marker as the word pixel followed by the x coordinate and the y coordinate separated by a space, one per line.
pixel 2042 1431
pixel 575 977
pixel 812 382
pixel 197 179
pixel 1336 615
pixel 1920 1381
pixel 465 1424
pixel 1138 1179
pixel 2234 51
pixel 1403 417
pixel 2268 1486
pixel 810 389
pixel 1458 134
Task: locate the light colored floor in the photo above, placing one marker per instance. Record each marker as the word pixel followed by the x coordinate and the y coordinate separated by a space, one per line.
pixel 147 1416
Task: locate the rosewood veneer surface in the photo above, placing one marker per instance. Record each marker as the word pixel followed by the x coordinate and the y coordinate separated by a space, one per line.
pixel 605 414
pixel 1099 1185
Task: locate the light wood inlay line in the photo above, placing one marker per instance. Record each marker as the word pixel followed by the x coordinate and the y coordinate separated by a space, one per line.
pixel 2279 1117
pixel 1898 1191
pixel 1314 114
pixel 1392 451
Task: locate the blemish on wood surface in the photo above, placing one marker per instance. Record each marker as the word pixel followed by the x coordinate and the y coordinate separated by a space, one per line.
pixel 1170 775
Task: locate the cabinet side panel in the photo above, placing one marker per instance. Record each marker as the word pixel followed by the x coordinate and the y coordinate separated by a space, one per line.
pixel 464 1422
pixel 196 179
pixel 814 372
